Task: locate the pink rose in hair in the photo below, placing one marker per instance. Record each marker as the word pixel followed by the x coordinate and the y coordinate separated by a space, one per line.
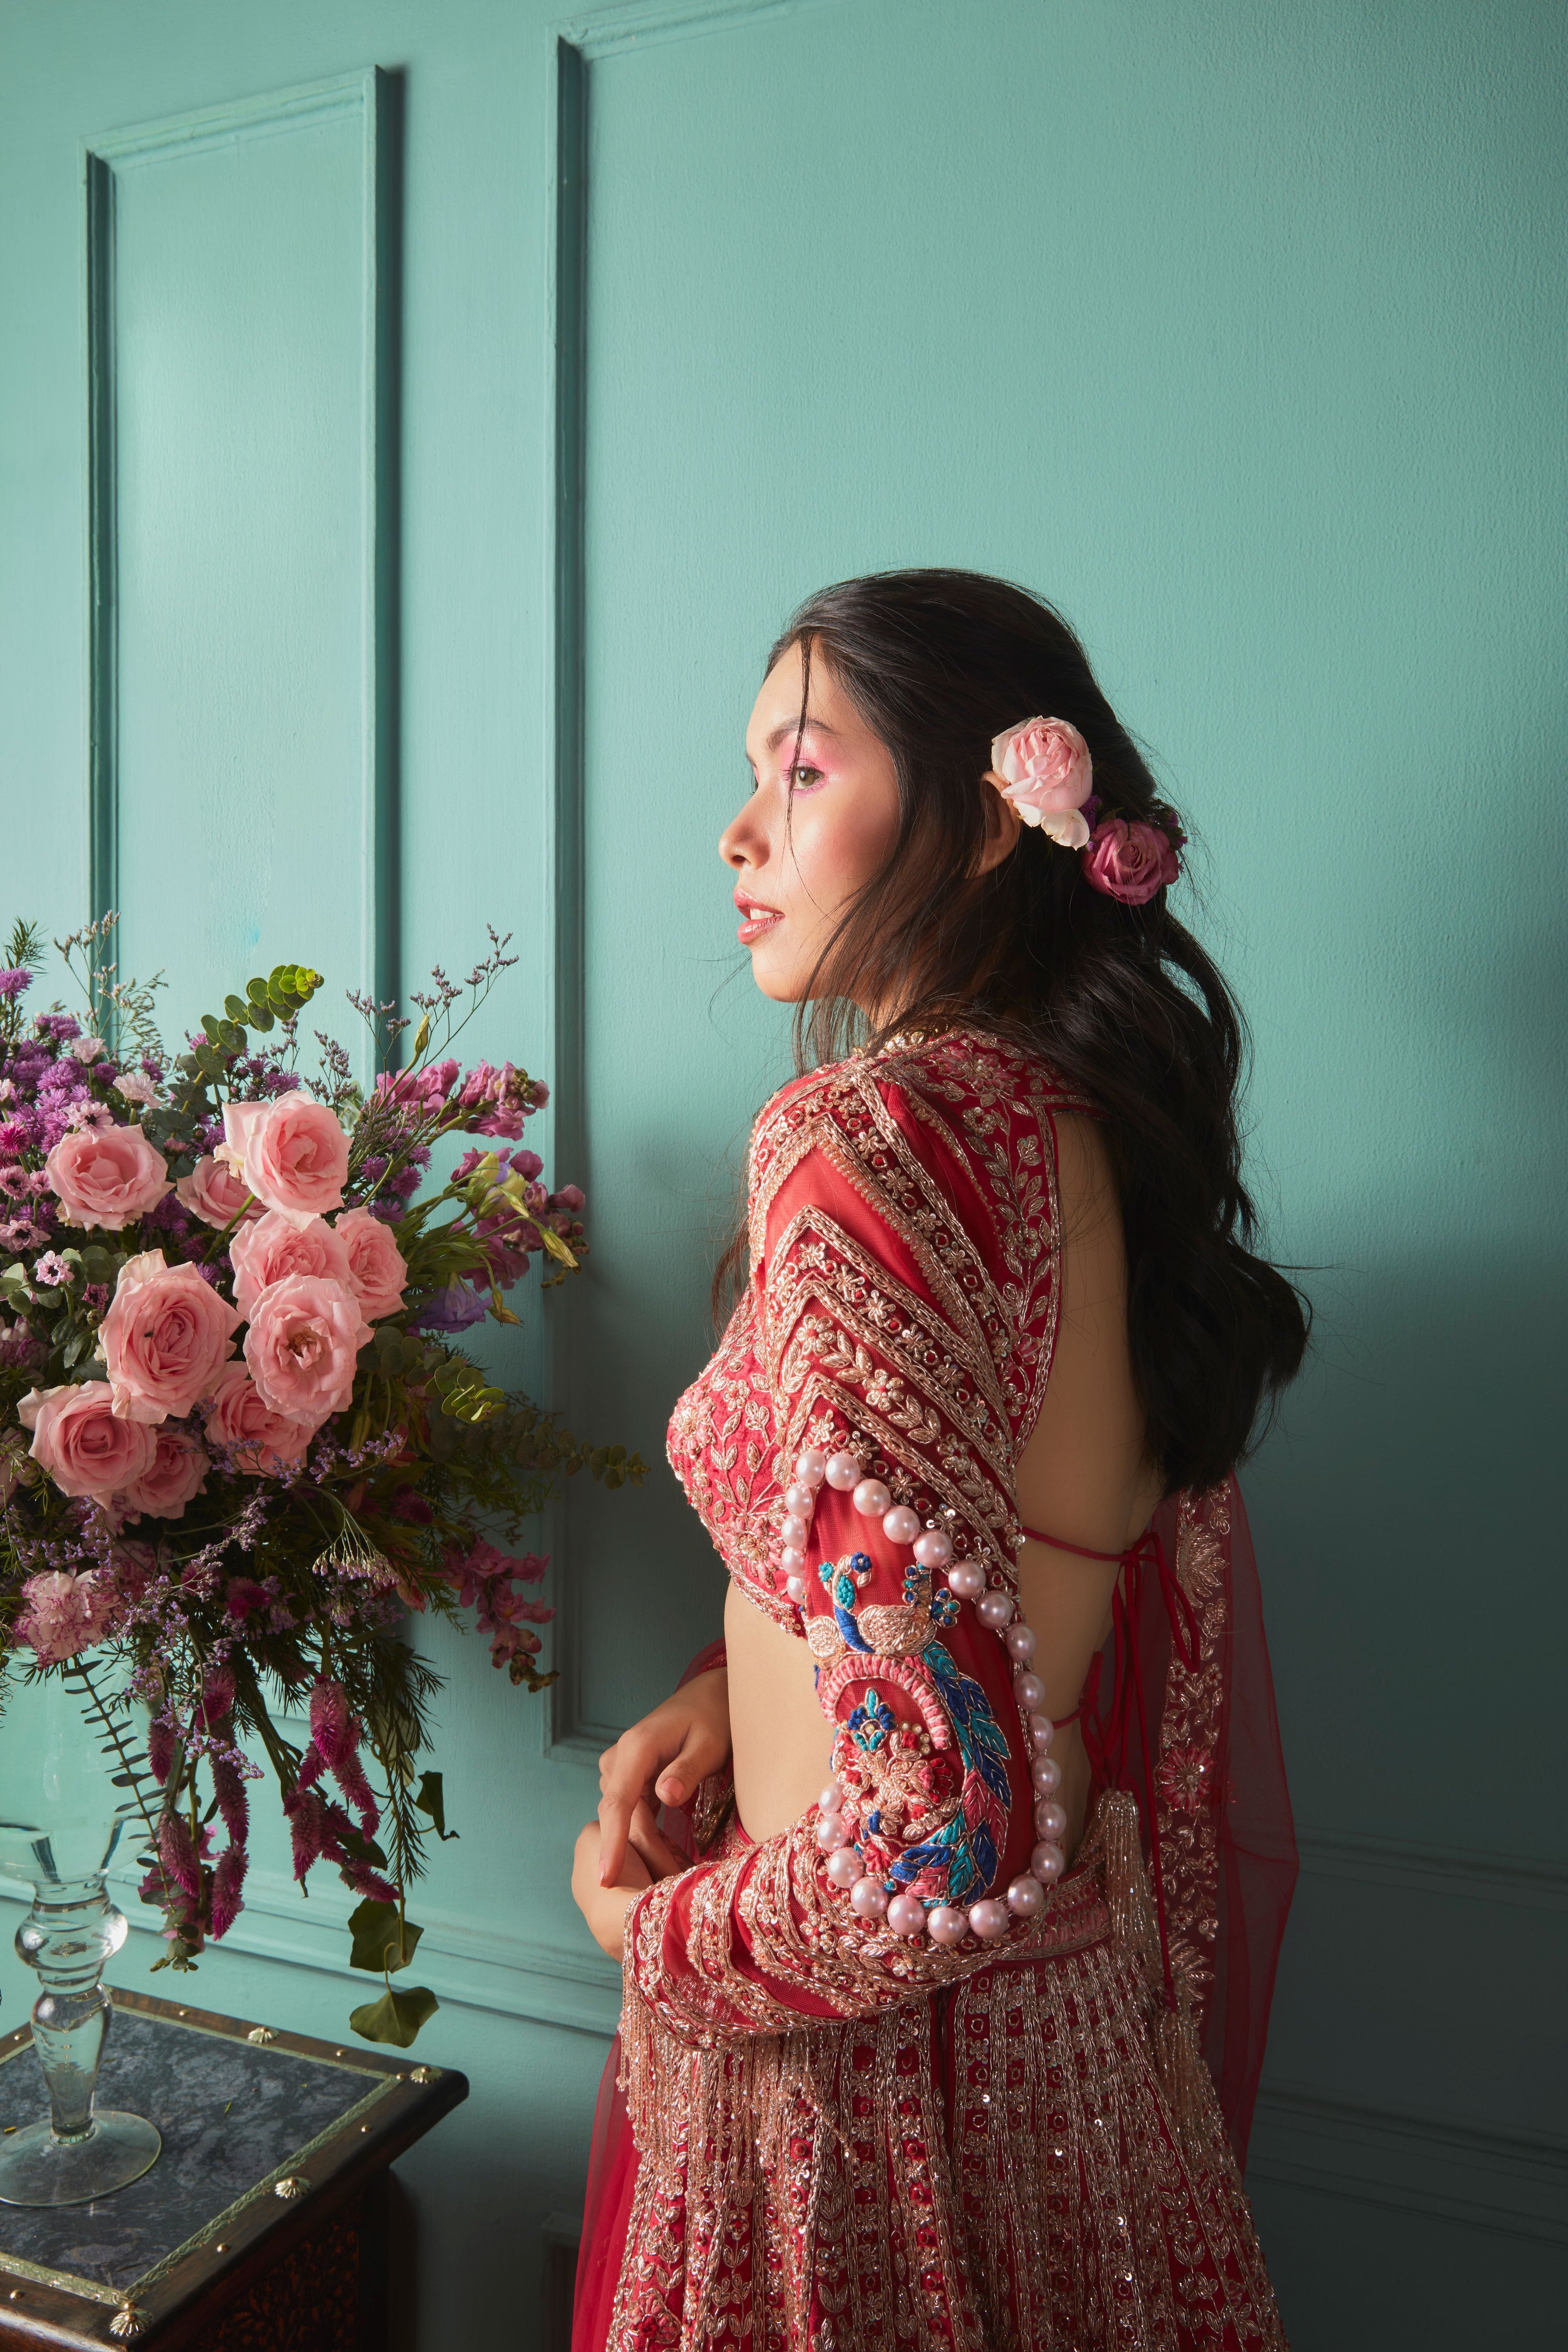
pixel 291 1152
pixel 302 1347
pixel 63 1614
pixel 376 1269
pixel 240 1421
pixel 179 1470
pixel 215 1192
pixel 106 1176
pixel 1043 767
pixel 275 1246
pixel 1130 861
pixel 166 1337
pixel 85 1446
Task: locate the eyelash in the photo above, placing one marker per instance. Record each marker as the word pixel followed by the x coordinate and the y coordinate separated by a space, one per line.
pixel 795 775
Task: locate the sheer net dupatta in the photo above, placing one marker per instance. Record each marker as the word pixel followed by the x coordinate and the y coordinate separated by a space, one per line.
pixel 1183 1715
pixel 613 2157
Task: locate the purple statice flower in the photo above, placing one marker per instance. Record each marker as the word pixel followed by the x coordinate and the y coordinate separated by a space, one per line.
pixel 452 1310
pixel 59 1026
pixel 14 981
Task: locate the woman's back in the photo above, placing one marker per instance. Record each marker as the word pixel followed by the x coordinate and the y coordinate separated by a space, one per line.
pixel 1083 1473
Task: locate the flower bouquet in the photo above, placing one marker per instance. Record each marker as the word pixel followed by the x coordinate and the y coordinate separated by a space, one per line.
pixel 238 1441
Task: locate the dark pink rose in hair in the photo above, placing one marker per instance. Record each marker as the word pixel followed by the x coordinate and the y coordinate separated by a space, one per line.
pixel 1130 861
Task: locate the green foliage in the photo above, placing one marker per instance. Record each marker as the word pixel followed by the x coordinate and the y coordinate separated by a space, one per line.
pixel 396 2017
pixel 431 1803
pixel 383 1938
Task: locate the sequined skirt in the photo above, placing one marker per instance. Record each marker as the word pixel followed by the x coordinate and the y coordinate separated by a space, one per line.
pixel 1008 2163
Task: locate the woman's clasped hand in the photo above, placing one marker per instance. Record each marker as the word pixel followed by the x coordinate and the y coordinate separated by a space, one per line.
pixel 662 1757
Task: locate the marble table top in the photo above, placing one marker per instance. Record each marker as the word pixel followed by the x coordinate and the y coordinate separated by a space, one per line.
pixel 232 2116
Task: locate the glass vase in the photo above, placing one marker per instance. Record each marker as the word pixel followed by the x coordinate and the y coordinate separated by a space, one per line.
pixel 66 1796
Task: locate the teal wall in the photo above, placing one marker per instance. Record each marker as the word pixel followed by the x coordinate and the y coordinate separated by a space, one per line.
pixel 1237 330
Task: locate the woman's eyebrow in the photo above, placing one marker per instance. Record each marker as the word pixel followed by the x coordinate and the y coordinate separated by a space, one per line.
pixel 812 727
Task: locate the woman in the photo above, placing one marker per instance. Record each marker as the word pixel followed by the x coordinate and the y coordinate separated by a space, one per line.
pixel 975 1844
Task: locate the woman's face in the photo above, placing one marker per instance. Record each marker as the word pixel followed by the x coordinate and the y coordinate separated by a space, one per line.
pixel 818 824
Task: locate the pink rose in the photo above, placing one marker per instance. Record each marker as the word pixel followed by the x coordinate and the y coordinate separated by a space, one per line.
pixel 106 1176
pixel 377 1272
pixel 275 1246
pixel 302 1345
pixel 291 1152
pixel 179 1470
pixel 1129 862
pixel 78 1437
pixel 240 1422
pixel 165 1338
pixel 64 1613
pixel 1043 767
pixel 214 1192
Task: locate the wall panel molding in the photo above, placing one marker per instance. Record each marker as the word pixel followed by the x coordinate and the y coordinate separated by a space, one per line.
pixel 368 105
pixel 463 1960
pixel 1515 2184
pixel 1459 1873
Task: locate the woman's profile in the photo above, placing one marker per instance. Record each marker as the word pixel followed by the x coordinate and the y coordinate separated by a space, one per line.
pixel 948 1888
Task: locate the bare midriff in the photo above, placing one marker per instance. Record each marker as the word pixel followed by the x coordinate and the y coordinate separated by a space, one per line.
pixel 1084 1474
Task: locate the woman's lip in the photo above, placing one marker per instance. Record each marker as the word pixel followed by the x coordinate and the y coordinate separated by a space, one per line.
pixel 752 926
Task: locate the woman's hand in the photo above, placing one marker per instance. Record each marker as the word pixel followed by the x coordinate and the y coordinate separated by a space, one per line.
pixel 662 1757
pixel 605 1908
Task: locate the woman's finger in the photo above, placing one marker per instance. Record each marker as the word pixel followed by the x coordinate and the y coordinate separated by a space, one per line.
pixel 646 1839
pixel 700 1753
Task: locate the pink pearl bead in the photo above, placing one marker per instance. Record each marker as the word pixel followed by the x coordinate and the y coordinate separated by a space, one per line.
pixel 869 1899
pixel 967 1580
pixel 933 1550
pixel 812 1467
pixel 831 1799
pixel 1049 1819
pixel 1030 1689
pixel 1025 1897
pixel 946 1925
pixel 1021 1643
pixel 907 1916
pixel 844 1866
pixel 900 1524
pixel 1047 1863
pixel 794 1529
pixel 791 1559
pixel 989 1918
pixel 831 1834
pixel 995 1610
pixel 795 1588
pixel 842 1470
pixel 871 1498
pixel 1046 1775
pixel 801 1500
pixel 1042 1730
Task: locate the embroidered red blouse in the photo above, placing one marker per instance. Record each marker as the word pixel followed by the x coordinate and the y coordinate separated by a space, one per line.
pixel 902 1303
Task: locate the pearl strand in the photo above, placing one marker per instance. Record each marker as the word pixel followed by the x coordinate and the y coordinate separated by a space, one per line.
pixel 905 1914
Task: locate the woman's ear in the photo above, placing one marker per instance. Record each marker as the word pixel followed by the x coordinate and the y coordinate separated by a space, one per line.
pixel 1003 825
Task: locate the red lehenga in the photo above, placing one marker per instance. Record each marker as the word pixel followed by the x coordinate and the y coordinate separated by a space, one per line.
pixel 813 2132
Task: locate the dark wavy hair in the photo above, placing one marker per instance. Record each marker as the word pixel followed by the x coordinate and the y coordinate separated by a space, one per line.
pixel 1121 1000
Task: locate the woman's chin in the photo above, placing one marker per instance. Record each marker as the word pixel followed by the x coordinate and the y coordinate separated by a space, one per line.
pixel 777 977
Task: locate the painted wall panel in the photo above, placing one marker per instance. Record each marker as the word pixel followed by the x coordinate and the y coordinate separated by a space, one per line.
pixel 238 492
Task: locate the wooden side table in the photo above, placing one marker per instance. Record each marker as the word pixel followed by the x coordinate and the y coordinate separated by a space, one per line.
pixel 261 2228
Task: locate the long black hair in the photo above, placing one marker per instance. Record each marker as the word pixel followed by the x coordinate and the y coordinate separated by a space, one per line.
pixel 1122 1000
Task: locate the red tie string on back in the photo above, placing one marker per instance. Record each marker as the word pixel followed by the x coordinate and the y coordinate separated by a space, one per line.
pixel 1105 1733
